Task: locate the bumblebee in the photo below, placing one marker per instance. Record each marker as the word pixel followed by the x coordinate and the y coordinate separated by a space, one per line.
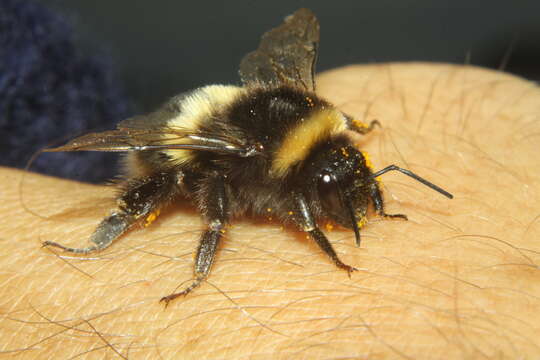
pixel 270 145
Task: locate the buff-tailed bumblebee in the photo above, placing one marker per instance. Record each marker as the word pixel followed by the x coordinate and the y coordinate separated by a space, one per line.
pixel 229 150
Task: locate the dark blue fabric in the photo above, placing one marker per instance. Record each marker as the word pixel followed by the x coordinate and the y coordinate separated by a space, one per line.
pixel 50 92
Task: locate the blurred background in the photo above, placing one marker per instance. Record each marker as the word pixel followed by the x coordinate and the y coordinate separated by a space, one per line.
pixel 130 56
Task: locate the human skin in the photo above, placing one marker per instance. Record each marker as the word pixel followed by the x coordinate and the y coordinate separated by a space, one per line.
pixel 459 280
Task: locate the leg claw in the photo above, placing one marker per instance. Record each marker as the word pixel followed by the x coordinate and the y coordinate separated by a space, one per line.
pixel 395 216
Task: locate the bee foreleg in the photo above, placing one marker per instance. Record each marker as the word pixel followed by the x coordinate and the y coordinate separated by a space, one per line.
pixel 378 203
pixel 307 223
pixel 139 200
pixel 215 208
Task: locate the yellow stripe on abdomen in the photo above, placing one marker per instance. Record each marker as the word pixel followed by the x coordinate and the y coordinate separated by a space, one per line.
pixel 196 109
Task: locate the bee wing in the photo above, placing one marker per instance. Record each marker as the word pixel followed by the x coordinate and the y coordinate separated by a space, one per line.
pixel 113 140
pixel 158 118
pixel 286 54
pixel 156 139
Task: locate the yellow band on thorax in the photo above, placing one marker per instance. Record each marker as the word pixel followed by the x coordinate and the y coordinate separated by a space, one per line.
pixel 300 139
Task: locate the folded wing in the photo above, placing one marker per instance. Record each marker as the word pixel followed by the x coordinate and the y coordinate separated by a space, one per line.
pixel 286 54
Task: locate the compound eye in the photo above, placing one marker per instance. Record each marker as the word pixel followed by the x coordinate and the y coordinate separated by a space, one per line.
pixel 326 178
pixel 329 196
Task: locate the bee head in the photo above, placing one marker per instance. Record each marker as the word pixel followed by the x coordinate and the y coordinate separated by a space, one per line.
pixel 343 180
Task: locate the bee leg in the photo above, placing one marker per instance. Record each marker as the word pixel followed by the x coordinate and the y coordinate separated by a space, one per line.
pixel 307 223
pixel 214 206
pixel 378 204
pixel 359 127
pixel 139 200
pixel 109 229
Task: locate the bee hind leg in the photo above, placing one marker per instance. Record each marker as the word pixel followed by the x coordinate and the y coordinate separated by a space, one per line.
pixel 109 229
pixel 140 199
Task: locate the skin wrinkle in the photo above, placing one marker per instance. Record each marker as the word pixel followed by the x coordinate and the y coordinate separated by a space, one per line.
pixel 459 280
